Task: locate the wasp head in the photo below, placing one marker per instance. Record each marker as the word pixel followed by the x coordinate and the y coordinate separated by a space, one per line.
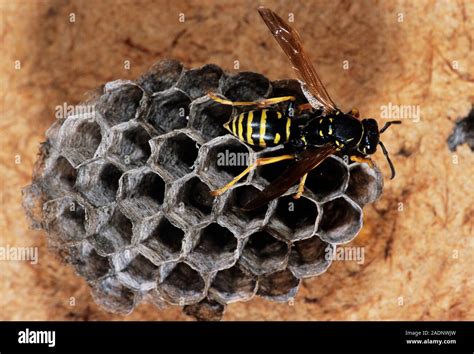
pixel 370 137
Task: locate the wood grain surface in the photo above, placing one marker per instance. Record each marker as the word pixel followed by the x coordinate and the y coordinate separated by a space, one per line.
pixel 417 239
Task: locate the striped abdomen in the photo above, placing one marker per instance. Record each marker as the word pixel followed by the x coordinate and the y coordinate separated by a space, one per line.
pixel 261 128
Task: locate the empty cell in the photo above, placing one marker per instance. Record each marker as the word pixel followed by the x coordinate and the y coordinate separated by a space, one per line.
pixel 114 235
pixel 177 155
pixel 245 86
pixel 233 284
pixel 237 199
pixel 141 193
pixel 151 187
pixel 341 221
pixel 294 218
pixel 65 218
pixel 168 110
pixel 278 286
pixel 205 310
pixel 263 253
pixel 64 173
pixel 183 285
pixel 87 262
pixel 163 241
pixel 214 249
pixel 198 82
pixel 80 141
pixel 208 117
pixel 139 274
pixel 120 105
pixel 226 160
pixel 310 257
pixel 98 181
pixel 194 200
pixel 110 176
pixel 114 296
pixel 365 184
pixel 328 179
pixel 161 75
pixel 132 146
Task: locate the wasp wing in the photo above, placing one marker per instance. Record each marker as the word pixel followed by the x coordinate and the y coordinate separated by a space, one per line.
pixel 289 40
pixel 309 159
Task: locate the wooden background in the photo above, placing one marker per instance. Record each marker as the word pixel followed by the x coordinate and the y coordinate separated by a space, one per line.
pixel 418 238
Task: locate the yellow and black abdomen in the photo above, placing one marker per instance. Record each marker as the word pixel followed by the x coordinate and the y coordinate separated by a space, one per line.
pixel 261 128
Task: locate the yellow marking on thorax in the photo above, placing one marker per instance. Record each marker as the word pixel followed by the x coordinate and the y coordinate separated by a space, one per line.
pixel 330 119
pixel 263 123
pixel 241 127
pixel 279 115
pixel 277 138
pixel 330 131
pixel 249 128
pixel 321 133
pixel 288 125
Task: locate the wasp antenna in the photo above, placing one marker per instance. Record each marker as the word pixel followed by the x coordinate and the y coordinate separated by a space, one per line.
pixel 389 124
pixel 385 152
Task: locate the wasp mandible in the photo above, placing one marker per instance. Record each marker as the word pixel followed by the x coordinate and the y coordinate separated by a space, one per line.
pixel 328 130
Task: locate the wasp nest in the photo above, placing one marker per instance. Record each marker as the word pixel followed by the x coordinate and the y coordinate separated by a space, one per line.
pixel 122 190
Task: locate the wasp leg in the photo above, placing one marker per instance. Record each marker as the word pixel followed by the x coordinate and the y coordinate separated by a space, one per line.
pixel 359 159
pixel 300 191
pixel 259 162
pixel 354 112
pixel 261 103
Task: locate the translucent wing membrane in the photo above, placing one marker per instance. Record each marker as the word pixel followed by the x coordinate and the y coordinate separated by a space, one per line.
pixel 307 160
pixel 289 40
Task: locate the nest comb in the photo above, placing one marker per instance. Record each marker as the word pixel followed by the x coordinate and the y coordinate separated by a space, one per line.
pixel 123 193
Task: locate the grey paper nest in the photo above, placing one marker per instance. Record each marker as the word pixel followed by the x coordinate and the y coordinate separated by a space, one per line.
pixel 123 194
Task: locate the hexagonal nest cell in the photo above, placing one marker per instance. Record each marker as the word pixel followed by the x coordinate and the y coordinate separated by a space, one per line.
pixel 141 193
pixel 98 181
pixel 160 240
pixel 168 110
pixel 215 249
pixel 263 253
pixel 175 154
pixel 114 235
pixel 124 194
pixel 130 145
pixel 182 285
pixel 79 139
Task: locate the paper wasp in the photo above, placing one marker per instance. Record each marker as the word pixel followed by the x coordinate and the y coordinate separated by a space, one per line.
pixel 327 131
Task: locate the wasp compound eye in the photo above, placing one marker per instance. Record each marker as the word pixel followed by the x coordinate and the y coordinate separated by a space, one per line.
pixel 123 195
